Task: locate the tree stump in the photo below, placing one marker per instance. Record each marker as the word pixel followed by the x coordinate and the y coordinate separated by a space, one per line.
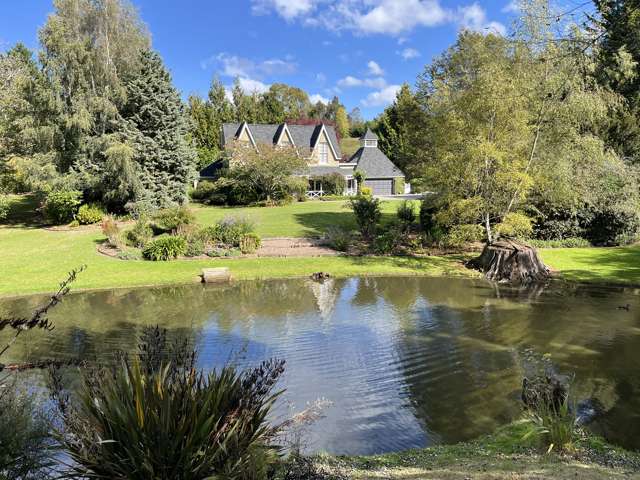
pixel 511 262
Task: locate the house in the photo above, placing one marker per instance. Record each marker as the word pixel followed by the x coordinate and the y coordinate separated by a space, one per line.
pixel 320 147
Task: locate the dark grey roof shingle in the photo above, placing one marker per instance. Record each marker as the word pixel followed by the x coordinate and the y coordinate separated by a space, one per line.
pixel 369 135
pixel 375 164
pixel 304 136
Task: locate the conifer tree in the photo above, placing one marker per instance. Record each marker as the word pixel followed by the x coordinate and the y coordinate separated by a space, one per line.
pixel 156 127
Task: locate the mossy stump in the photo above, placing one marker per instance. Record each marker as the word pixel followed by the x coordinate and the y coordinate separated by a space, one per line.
pixel 511 262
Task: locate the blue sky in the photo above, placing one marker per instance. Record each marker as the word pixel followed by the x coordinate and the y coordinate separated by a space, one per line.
pixel 361 50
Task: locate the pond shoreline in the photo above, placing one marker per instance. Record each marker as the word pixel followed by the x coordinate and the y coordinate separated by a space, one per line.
pixel 500 455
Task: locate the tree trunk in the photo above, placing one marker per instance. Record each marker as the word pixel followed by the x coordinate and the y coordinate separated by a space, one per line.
pixel 511 262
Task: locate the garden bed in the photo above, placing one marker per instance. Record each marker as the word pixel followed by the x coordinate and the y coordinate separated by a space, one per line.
pixel 270 247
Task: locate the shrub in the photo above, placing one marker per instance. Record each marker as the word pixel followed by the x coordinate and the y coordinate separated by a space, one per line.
pixel 231 230
pixel 550 418
pixel 4 207
pixel 170 219
pixel 111 230
pixel 140 234
pixel 165 419
pixel 406 213
pixel 575 242
pixel 249 243
pixel 130 254
pixel 204 191
pixel 459 235
pixel 366 191
pixel 428 210
pixel 195 247
pixel 398 185
pixel 387 242
pixel 89 214
pixel 338 238
pixel 332 183
pixel 165 247
pixel 25 444
pixel 367 213
pixel 515 225
pixel 60 206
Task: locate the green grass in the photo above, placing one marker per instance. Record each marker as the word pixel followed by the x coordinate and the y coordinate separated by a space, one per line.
pixel 606 265
pixel 503 455
pixel 35 259
pixel 298 219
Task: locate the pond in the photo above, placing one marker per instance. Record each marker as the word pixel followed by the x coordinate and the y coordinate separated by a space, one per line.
pixel 405 362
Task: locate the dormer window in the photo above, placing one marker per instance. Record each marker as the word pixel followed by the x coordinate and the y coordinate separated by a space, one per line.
pixel 371 143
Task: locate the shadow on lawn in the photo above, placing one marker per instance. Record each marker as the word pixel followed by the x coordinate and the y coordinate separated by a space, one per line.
pixel 23 212
pixel 317 223
pixel 612 265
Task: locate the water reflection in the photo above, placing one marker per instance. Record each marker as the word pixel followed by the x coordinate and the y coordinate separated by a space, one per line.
pixel 408 362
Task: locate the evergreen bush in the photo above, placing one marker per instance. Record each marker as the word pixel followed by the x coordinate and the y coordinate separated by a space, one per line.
pixel 89 214
pixel 60 206
pixel 165 247
pixel 367 212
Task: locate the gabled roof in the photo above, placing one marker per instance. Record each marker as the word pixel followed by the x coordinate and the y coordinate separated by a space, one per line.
pixel 369 135
pixel 304 136
pixel 375 164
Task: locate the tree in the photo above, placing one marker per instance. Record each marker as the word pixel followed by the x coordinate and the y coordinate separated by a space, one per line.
pixel 401 131
pixel 292 103
pixel 28 130
pixel 156 128
pixel 619 68
pixel 267 173
pixel 90 47
pixel 342 122
pixel 508 119
pixel 207 118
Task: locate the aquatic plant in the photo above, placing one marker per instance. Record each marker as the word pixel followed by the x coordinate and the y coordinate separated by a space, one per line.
pixel 154 415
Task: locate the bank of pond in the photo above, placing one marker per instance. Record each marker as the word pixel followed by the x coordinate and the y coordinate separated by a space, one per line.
pixel 393 363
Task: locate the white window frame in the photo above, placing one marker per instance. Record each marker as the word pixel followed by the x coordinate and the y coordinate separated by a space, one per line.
pixel 323 153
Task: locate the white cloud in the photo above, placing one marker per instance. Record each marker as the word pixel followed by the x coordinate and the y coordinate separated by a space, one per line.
pixel 398 16
pixel 250 85
pixel 315 98
pixel 321 78
pixel 473 17
pixel 386 17
pixel 287 9
pixel 381 98
pixel 350 81
pixel 235 66
pixel 375 69
pixel 512 7
pixel 409 53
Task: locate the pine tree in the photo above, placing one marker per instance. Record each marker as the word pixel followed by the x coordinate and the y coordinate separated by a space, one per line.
pixel 400 130
pixel 342 122
pixel 156 127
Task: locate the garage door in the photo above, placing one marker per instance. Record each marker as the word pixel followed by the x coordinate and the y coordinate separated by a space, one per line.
pixel 380 187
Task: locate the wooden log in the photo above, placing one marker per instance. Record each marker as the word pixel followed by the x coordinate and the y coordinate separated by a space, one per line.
pixel 512 262
pixel 216 275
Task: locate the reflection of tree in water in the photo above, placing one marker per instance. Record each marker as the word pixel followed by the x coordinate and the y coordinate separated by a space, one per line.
pixel 458 345
pixel 462 353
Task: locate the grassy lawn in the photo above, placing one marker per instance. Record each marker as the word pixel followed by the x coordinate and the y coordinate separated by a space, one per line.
pixel 298 219
pixel 611 265
pixel 35 259
pixel 497 456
